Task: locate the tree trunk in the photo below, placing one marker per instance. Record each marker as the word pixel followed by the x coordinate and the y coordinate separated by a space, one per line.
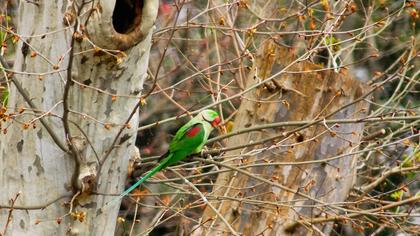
pixel 84 114
pixel 304 92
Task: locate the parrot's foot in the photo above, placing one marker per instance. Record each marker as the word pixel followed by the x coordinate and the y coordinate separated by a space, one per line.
pixel 203 151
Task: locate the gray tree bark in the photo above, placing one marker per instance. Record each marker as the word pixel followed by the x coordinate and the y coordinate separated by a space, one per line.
pixel 299 191
pixel 84 114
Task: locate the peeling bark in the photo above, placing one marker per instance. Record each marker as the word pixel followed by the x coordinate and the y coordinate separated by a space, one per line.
pixel 30 160
pixel 293 96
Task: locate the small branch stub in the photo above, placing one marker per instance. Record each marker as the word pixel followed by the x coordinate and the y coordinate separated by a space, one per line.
pixel 87 178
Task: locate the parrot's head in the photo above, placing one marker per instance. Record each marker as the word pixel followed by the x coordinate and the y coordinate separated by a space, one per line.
pixel 210 116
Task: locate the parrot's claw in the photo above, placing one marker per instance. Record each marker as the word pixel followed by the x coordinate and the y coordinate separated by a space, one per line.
pixel 203 151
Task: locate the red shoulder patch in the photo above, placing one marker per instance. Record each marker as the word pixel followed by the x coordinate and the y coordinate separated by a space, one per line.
pixel 193 131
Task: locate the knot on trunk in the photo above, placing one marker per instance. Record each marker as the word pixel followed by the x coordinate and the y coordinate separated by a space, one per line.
pixel 87 178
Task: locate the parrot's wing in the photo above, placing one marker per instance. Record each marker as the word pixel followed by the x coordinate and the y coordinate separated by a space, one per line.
pixel 188 138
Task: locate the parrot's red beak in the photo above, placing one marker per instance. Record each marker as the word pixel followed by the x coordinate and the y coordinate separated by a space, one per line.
pixel 215 122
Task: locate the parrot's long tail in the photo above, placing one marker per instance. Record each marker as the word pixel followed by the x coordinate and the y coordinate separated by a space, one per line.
pixel 159 167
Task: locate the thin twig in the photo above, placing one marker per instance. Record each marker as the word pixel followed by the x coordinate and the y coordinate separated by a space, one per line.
pixel 290 226
pixel 165 50
pixel 223 219
pixel 28 100
pixel 9 215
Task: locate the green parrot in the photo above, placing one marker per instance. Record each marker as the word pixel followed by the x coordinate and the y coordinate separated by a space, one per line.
pixel 189 139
